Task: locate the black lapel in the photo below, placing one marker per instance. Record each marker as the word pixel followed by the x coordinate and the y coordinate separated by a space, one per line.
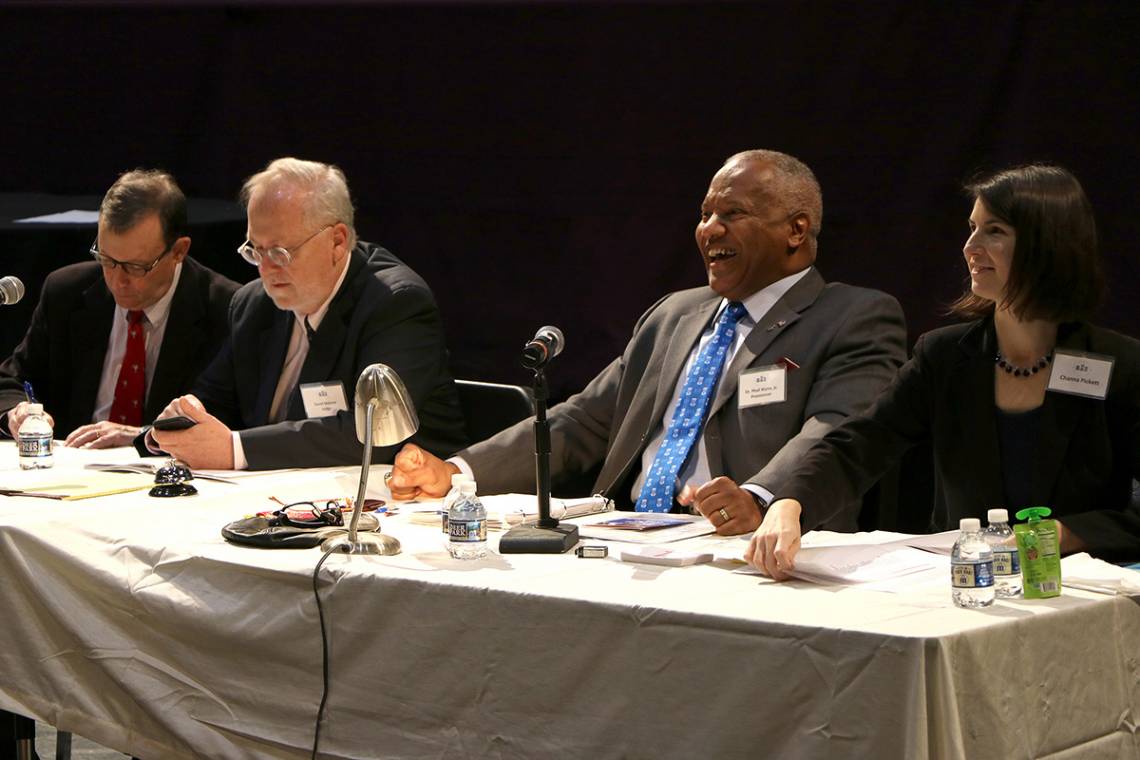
pixel 1059 419
pixel 274 343
pixel 90 328
pixel 973 381
pixel 181 343
pixel 329 340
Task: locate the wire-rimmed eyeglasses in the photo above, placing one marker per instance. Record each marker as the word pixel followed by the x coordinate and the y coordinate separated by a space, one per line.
pixel 134 269
pixel 279 255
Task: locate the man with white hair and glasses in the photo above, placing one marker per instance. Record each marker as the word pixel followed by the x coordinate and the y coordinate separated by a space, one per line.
pixel 325 306
pixel 111 340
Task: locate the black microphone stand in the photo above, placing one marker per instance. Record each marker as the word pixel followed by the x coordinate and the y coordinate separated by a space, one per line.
pixel 548 536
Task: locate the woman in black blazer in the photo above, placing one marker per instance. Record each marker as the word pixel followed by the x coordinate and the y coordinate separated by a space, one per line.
pixel 995 395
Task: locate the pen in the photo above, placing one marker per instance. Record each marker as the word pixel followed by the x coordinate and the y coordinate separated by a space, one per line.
pixel 31 394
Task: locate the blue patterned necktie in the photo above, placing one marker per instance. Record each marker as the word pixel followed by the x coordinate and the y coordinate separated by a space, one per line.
pixel 657 490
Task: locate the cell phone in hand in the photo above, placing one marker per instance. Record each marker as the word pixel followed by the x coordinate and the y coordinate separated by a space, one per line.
pixel 180 422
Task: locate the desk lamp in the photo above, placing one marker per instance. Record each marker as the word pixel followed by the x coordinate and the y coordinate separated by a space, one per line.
pixel 385 416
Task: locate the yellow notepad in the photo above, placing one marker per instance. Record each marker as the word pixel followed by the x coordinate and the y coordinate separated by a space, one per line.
pixel 85 485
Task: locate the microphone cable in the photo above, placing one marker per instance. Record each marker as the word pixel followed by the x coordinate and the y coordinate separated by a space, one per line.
pixel 324 656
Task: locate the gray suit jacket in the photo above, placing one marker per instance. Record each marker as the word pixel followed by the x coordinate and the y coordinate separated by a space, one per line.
pixel 847 341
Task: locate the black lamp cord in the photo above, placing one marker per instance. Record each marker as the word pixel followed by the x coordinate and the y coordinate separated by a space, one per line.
pixel 324 657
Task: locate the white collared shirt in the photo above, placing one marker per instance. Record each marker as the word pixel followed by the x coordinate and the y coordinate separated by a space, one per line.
pixel 295 355
pixel 154 327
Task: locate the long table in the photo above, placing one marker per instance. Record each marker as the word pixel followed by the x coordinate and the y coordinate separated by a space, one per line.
pixel 129 620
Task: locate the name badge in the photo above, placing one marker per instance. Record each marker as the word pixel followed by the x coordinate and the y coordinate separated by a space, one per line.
pixel 763 385
pixel 1081 374
pixel 323 399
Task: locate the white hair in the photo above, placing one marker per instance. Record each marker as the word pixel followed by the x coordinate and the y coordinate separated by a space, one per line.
pixel 328 199
pixel 797 189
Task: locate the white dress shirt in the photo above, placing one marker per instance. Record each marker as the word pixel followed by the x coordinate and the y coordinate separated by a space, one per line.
pixel 154 327
pixel 295 356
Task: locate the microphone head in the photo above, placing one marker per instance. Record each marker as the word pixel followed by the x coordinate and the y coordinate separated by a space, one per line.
pixel 555 337
pixel 11 290
pixel 546 344
pixel 394 416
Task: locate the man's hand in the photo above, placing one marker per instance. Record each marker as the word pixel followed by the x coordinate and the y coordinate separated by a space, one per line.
pixel 101 435
pixel 730 508
pixel 773 547
pixel 18 413
pixel 417 473
pixel 208 445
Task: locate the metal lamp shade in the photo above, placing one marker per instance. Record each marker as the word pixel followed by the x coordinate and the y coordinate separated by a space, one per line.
pixel 394 416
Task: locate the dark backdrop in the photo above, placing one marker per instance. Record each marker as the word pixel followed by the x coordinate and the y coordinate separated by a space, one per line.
pixel 543 162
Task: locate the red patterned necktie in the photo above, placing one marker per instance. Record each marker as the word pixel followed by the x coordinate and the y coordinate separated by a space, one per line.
pixel 130 389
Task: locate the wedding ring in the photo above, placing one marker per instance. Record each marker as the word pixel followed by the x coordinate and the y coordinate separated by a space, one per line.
pixel 724 514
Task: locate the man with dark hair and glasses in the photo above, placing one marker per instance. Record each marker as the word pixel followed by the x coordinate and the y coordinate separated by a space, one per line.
pixel 111 340
pixel 325 306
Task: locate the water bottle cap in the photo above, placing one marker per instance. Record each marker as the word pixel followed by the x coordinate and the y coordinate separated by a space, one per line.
pixel 458 478
pixel 969 525
pixel 34 408
pixel 997 515
pixel 467 486
pixel 1033 514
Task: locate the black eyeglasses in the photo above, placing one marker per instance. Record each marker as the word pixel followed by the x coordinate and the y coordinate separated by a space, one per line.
pixel 130 267
pixel 306 514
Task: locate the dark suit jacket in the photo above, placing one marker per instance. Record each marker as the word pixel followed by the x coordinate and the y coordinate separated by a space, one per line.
pixel 848 341
pixel 1088 452
pixel 383 312
pixel 62 353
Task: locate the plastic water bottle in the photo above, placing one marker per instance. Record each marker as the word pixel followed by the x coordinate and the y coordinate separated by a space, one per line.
pixel 1007 567
pixel 467 524
pixel 35 439
pixel 451 496
pixel 972 566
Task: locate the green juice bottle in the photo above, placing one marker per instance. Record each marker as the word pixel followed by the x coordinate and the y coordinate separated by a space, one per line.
pixel 1039 552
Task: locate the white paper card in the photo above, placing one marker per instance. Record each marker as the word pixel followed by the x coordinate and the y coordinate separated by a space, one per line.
pixel 1081 374
pixel 323 399
pixel 763 385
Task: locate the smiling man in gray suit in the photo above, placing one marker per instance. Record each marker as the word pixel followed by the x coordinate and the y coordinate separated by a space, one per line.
pixel 721 387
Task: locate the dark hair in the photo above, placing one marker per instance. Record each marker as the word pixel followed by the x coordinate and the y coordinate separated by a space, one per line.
pixel 1055 273
pixel 141 192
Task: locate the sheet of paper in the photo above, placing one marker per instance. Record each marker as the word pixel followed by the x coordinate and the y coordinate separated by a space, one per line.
pixel 1091 574
pixel 74 216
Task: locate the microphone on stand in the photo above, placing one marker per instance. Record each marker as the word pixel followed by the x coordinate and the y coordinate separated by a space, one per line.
pixel 12 290
pixel 546 344
pixel 548 536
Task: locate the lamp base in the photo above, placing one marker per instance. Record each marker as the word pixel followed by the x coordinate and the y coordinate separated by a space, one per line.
pixel 531 539
pixel 365 543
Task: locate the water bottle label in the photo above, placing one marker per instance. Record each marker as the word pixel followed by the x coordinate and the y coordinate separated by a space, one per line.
pixel 35 445
pixel 972 574
pixel 443 520
pixel 1007 563
pixel 467 530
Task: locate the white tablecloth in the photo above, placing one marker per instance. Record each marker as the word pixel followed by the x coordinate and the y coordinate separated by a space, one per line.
pixel 129 620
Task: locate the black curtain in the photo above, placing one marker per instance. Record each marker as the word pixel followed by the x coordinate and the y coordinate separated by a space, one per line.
pixel 543 162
